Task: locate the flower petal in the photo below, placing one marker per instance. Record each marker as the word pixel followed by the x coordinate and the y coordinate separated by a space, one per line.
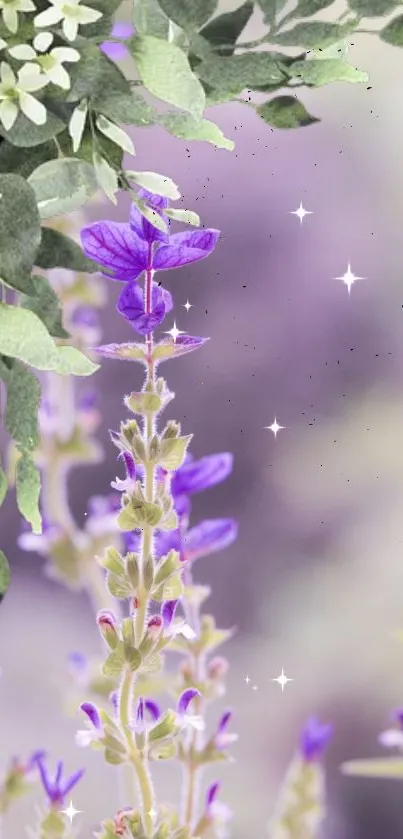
pixel 32 109
pixel 131 306
pixel 8 113
pixel 314 738
pixel 152 709
pixel 92 713
pixel 168 612
pixel 198 475
pixel 208 537
pixel 49 17
pixel 185 699
pixel 185 248
pixel 116 247
pixel 141 225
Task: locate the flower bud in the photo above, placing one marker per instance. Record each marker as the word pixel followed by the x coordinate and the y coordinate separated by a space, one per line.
pixel 217 668
pixel 107 624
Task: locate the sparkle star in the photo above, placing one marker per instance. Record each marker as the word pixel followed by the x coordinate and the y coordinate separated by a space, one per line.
pixel 247 680
pixel 187 305
pixel 174 332
pixel 349 278
pixel 301 213
pixel 152 813
pixel 282 680
pixel 275 427
pixel 70 812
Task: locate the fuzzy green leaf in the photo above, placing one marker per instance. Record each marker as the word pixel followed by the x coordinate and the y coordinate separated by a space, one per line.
pixel 237 72
pixel 24 336
pixel 46 305
pixel 114 133
pixel 187 128
pixel 373 8
pixel 189 14
pixel 77 124
pixel 26 134
pixel 150 214
pixel 128 108
pixel 285 112
pixel 23 161
pixel 20 232
pixel 4 575
pixel 227 28
pixel 307 8
pixel 270 9
pixel 28 487
pixel 104 146
pixel 316 33
pixel 184 216
pixel 329 70
pixel 149 19
pixel 94 74
pixel 164 70
pixel 160 184
pixel 62 186
pixel 106 177
pixel 392 33
pixel 23 397
pixel 59 251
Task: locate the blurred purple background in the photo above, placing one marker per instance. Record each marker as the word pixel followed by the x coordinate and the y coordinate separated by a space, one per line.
pixel 315 581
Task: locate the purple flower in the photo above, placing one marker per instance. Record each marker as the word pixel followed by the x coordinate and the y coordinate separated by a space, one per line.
pixel 197 475
pixel 128 483
pixel 131 305
pixel 222 737
pixel 140 724
pixel 209 536
pixel 217 812
pixel 314 739
pixel 114 51
pixel 125 250
pixel 102 512
pixel 57 789
pixel 185 699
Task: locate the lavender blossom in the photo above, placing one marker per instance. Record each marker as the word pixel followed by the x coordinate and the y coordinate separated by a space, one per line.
pixel 57 789
pixel 315 737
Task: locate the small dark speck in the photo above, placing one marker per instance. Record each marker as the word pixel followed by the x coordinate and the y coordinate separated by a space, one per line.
pixel 244 286
pixel 206 311
pixel 369 88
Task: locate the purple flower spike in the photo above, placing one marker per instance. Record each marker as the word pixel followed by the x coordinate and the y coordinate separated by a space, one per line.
pixel 92 713
pixel 208 537
pixel 212 793
pixel 185 248
pixel 118 249
pixel 222 737
pixel 144 228
pixel 168 612
pixel 314 739
pixel 57 790
pixel 117 52
pixel 130 465
pixel 131 306
pixel 185 700
pixel 197 475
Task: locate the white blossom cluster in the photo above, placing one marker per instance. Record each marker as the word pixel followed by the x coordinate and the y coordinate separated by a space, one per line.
pixel 41 63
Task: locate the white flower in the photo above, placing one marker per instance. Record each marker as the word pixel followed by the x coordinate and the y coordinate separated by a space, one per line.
pixel 182 628
pixel 85 736
pixel 52 63
pixel 15 94
pixel 71 13
pixel 192 721
pixel 10 9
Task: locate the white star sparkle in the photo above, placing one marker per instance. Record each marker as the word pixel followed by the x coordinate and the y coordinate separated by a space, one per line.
pixel 275 427
pixel 349 278
pixel 174 332
pixel 152 813
pixel 282 680
pixel 187 305
pixel 301 213
pixel 70 812
pixel 247 680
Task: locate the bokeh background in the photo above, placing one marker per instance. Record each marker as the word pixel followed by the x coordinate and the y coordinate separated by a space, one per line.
pixel 315 580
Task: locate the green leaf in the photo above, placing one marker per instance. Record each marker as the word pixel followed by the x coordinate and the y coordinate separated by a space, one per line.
pixel 329 70
pixel 23 162
pixel 128 108
pixel 316 33
pixel 270 9
pixel 188 128
pixel 388 767
pixel 373 8
pixel 27 134
pixel 159 184
pixel 148 213
pixel 46 305
pixel 4 575
pixel 285 112
pixel 164 70
pixel 184 216
pixel 24 336
pixel 20 232
pixel 23 397
pixel 28 487
pixel 227 28
pixel 94 74
pixel 237 72
pixel 77 124
pixel 62 186
pixel 59 251
pixel 189 14
pixel 149 19
pixel 307 8
pixel 106 177
pixel 392 33
pixel 104 146
pixel 115 134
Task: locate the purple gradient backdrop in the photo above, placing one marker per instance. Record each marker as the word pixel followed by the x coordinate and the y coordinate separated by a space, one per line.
pixel 314 582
